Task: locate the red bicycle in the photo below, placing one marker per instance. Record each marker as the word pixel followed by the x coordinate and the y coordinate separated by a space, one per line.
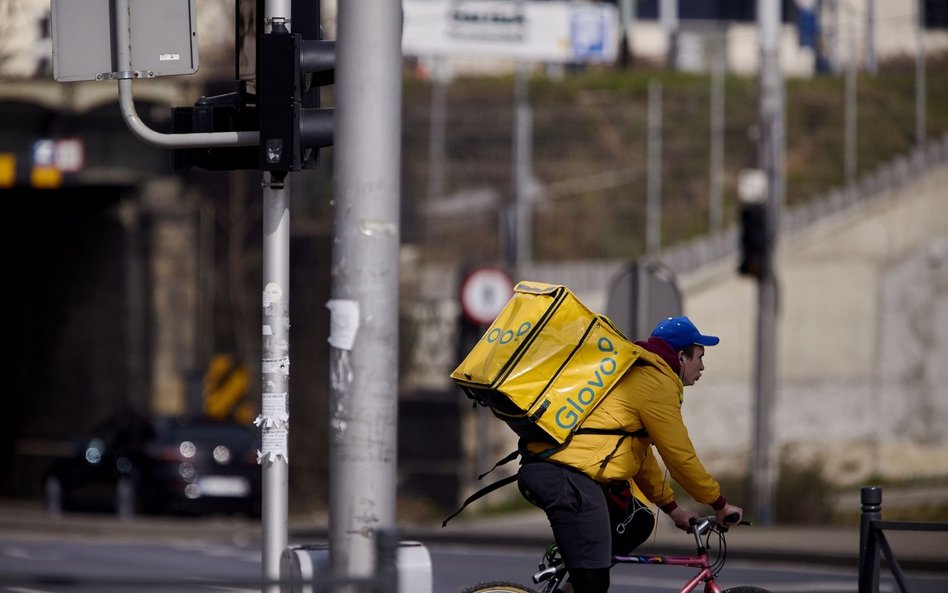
pixel 553 577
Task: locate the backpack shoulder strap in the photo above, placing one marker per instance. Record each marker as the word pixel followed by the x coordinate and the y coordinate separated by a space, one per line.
pixel 506 459
pixel 622 434
pixel 485 490
pixel 640 433
pixel 521 452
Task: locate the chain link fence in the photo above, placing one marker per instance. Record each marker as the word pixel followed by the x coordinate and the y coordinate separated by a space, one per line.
pixel 590 139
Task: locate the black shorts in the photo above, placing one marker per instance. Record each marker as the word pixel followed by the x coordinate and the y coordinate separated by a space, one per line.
pixel 576 508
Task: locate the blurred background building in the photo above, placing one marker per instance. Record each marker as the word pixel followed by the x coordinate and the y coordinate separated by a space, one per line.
pixel 136 286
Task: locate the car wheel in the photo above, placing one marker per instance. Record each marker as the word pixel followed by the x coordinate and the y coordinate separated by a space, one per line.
pixel 126 499
pixel 53 494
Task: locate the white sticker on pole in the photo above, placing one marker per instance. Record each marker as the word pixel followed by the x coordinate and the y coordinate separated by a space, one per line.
pixel 343 323
pixel 274 422
pixel 272 294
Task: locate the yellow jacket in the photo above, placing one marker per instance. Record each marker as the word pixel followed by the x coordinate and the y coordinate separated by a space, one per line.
pixel 649 396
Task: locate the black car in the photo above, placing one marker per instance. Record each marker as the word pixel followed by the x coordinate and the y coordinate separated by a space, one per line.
pixel 133 464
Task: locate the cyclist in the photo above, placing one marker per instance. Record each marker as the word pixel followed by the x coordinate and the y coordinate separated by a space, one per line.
pixel 646 405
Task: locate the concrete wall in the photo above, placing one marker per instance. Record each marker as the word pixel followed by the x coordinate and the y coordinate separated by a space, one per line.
pixel 862 340
pixel 862 332
pixel 172 272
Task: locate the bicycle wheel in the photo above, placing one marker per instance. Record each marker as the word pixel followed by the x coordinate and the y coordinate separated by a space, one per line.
pixel 746 589
pixel 497 587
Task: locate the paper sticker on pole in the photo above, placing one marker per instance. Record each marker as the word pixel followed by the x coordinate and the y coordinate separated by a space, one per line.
pixel 343 323
pixel 484 292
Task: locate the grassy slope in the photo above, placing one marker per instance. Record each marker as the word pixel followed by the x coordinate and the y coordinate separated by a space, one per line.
pixel 590 127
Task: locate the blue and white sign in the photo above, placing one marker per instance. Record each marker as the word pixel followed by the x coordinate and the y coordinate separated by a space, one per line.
pixel 64 154
pixel 589 33
pixel 44 153
pixel 547 31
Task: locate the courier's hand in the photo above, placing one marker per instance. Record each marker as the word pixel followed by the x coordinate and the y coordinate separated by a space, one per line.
pixel 726 516
pixel 682 518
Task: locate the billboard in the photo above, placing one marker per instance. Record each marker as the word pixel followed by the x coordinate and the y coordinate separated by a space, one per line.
pixel 559 32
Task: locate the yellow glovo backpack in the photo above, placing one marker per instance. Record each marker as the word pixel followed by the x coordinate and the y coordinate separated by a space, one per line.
pixel 544 364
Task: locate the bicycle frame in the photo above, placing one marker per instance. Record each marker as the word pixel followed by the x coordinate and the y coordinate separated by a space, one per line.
pixel 707 572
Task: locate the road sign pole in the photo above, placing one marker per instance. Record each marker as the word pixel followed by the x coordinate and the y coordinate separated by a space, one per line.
pixel 364 306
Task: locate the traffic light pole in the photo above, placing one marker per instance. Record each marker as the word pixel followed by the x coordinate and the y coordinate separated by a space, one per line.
pixel 275 356
pixel 274 418
pixel 364 305
pixel 274 411
pixel 763 471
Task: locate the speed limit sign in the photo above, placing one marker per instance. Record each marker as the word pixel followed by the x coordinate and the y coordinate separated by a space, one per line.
pixel 484 292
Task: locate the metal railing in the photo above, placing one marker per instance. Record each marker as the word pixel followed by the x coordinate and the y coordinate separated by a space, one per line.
pixel 873 543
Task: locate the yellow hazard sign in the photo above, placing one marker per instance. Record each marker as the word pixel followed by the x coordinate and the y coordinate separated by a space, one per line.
pixel 225 389
pixel 46 177
pixel 7 169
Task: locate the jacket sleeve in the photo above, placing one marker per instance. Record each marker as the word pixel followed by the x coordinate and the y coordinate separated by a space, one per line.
pixel 651 481
pixel 662 418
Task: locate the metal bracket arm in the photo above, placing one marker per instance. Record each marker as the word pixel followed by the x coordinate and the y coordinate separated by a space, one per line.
pixel 127 103
pixel 195 140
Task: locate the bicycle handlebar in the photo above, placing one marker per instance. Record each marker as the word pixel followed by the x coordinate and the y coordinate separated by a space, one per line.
pixel 704 523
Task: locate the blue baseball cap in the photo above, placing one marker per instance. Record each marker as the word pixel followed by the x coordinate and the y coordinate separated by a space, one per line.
pixel 679 332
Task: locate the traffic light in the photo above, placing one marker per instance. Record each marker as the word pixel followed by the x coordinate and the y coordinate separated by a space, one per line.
pixel 221 113
pixel 754 236
pixel 290 71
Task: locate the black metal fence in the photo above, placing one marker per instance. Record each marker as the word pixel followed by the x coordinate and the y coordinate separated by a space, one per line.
pixel 873 543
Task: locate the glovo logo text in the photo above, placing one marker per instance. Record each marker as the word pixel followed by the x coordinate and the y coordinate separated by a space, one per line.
pixel 575 407
pixel 505 336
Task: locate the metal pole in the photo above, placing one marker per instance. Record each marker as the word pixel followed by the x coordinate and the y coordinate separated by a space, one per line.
pixel 832 41
pixel 523 133
pixel 653 204
pixel 770 158
pixel 123 57
pixel 436 138
pixel 274 416
pixel 386 562
pixel 871 66
pixel 870 498
pixel 921 100
pixel 669 22
pixel 716 185
pixel 275 364
pixel 627 15
pixel 851 112
pixel 642 328
pixel 364 306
